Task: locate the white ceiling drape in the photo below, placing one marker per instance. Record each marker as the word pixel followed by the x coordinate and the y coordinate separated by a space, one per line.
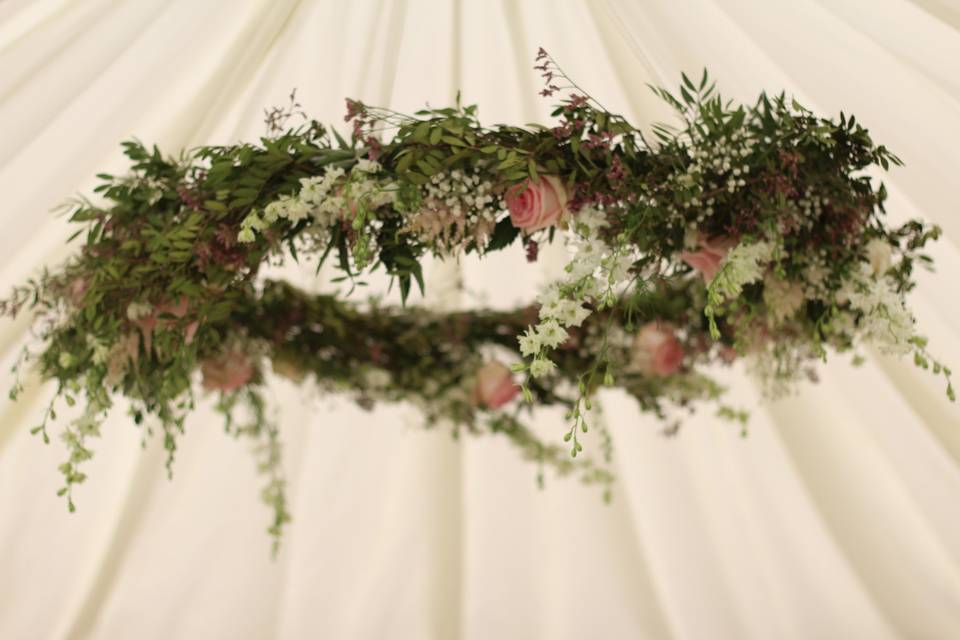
pixel 835 518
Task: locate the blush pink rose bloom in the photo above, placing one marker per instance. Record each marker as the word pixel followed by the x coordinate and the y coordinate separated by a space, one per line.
pixel 494 386
pixel 537 205
pixel 656 350
pixel 711 253
pixel 226 372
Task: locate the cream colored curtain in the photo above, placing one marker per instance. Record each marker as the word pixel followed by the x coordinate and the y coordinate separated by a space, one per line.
pixel 836 518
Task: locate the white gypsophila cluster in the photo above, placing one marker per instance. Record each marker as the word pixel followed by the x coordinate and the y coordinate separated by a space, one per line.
pixel 456 207
pixel 885 322
pixel 594 274
pixel 323 199
pixel 715 166
pixel 463 194
pixel 725 157
pixel 810 207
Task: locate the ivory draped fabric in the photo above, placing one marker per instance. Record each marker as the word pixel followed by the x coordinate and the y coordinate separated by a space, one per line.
pixel 837 517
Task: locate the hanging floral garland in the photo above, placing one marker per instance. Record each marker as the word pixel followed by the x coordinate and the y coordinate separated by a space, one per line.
pixel 751 232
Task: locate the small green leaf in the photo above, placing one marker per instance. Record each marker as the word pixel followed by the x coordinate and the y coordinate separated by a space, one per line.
pixel 532 169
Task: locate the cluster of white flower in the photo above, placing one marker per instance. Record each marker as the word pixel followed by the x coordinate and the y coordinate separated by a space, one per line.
pixel 456 207
pixel 363 190
pixel 324 198
pixel 725 157
pixel 872 310
pixel 885 321
pixel 463 194
pixel 595 274
pixel 811 206
pixel 744 264
pixel 716 166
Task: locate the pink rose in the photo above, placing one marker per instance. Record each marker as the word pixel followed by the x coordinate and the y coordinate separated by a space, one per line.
pixel 494 386
pixel 226 372
pixel 536 205
pixel 712 252
pixel 656 350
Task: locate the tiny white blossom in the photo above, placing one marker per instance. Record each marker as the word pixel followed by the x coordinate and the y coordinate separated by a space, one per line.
pixel 619 268
pixel 541 367
pixel 574 315
pixel 584 266
pixel 530 344
pixel 551 334
pixel 366 166
pixel 253 221
pixel 298 211
pixel 592 219
pixel 272 212
pixel 549 297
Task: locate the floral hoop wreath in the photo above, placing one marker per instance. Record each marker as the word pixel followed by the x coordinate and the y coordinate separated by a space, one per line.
pixel 742 232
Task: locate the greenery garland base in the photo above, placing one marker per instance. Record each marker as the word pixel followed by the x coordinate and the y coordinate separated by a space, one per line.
pixel 738 232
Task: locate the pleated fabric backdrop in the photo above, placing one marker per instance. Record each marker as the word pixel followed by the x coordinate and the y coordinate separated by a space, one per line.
pixel 836 518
